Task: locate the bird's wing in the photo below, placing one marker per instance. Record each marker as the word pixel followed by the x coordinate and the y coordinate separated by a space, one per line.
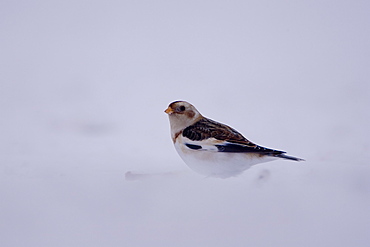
pixel 208 133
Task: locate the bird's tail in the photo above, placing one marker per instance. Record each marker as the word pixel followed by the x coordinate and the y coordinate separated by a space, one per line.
pixel 284 156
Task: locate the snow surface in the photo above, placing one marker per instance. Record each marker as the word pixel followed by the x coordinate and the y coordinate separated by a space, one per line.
pixel 86 156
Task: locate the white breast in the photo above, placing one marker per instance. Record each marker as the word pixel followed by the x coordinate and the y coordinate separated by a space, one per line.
pixel 210 162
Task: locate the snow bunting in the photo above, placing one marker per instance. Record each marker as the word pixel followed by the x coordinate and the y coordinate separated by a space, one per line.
pixel 211 148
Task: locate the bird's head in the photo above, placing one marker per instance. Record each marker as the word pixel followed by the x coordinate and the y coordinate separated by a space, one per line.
pixel 182 114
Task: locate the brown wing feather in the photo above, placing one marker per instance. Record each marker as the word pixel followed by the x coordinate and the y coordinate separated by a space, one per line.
pixel 207 128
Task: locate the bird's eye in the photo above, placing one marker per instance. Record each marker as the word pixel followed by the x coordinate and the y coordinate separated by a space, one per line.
pixel 181 108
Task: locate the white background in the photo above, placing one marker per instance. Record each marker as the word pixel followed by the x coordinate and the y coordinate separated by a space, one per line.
pixel 83 87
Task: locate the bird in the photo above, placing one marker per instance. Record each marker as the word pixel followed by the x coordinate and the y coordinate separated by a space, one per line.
pixel 213 149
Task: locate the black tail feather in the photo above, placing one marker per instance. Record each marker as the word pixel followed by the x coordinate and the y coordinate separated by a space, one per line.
pixel 284 156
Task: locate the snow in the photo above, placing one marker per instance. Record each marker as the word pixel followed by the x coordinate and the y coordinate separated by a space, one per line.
pixel 86 155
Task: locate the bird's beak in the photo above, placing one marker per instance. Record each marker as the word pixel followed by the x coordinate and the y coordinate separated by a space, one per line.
pixel 169 110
